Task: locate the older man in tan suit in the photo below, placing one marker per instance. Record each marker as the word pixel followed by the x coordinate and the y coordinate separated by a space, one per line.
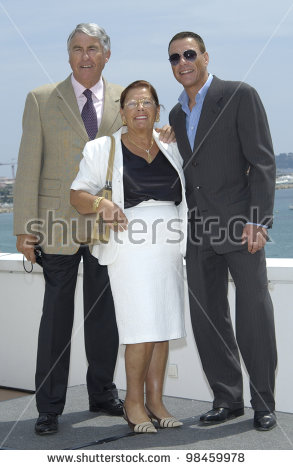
pixel 58 120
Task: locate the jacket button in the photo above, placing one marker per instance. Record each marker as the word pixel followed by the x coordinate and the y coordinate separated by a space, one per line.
pixel 197 187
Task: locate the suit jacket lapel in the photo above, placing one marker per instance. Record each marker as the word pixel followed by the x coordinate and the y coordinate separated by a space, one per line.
pixel 109 111
pixel 68 106
pixel 210 112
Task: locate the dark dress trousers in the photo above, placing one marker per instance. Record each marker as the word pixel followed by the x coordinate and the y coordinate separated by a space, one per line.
pixel 100 330
pixel 230 179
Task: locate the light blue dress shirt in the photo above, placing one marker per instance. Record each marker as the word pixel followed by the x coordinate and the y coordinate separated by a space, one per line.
pixel 192 117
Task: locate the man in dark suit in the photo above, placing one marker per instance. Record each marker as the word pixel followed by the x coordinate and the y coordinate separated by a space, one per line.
pixel 58 121
pixel 223 136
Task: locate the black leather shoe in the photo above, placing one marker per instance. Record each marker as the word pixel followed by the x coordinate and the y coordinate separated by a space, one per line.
pixel 46 424
pixel 113 406
pixel 264 420
pixel 220 415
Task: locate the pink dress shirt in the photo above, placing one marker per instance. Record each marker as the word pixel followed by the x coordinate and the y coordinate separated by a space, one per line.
pixel 98 96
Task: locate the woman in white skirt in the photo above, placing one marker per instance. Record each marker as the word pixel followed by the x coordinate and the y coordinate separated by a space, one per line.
pixel 148 218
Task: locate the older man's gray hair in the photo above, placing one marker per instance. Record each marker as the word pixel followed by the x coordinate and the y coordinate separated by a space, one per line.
pixel 91 29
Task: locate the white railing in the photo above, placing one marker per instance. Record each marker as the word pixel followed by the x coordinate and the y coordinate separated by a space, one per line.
pixel 21 298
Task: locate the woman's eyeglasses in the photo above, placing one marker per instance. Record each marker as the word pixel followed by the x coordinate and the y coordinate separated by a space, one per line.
pixel 189 55
pixel 145 103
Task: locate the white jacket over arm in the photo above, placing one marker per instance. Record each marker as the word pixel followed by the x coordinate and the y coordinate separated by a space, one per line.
pixel 92 177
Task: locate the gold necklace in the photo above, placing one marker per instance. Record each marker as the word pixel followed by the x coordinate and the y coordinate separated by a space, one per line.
pixel 149 157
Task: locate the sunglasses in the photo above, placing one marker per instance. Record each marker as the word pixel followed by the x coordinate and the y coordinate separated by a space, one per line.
pixel 189 55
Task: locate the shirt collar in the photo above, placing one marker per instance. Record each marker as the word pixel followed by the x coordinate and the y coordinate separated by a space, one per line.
pixel 184 98
pixel 97 89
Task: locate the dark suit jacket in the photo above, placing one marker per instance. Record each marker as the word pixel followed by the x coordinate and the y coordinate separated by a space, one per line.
pixel 230 175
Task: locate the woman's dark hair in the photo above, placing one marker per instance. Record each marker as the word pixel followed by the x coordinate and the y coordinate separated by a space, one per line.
pixel 139 84
pixel 189 34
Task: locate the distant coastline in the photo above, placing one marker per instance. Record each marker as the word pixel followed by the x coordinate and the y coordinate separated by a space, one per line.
pixel 7 209
pixel 284 180
pixel 284 186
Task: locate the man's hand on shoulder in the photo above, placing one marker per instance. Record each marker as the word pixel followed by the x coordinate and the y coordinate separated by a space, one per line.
pixel 255 236
pixel 167 135
pixel 25 244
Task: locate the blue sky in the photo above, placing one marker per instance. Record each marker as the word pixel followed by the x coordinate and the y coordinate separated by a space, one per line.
pixel 249 40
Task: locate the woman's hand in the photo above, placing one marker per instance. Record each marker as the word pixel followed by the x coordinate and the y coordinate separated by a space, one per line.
pixel 113 215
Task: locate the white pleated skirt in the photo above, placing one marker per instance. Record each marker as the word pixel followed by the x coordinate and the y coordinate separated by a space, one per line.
pixel 147 275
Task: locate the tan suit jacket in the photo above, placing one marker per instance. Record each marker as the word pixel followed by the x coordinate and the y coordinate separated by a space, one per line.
pixel 50 151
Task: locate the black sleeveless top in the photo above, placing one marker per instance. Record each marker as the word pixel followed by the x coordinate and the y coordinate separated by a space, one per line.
pixel 143 181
